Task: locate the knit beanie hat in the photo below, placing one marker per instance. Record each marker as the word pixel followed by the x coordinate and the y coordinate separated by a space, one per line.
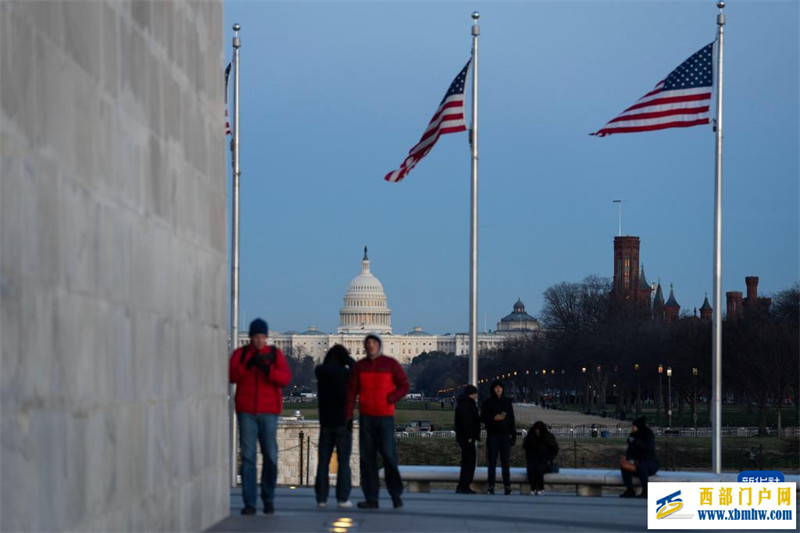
pixel 258 326
pixel 470 390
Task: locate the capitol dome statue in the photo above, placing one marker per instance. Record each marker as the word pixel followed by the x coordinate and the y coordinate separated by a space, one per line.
pixel 365 308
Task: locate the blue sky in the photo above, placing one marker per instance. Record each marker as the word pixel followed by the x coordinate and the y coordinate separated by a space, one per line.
pixel 333 95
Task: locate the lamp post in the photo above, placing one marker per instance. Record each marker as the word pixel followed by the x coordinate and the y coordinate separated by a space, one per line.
pixel 585 388
pixel 660 398
pixel 638 390
pixel 669 396
pixel 694 397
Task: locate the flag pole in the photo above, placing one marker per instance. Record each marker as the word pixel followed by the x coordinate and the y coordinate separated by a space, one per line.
pixel 473 234
pixel 716 431
pixel 234 252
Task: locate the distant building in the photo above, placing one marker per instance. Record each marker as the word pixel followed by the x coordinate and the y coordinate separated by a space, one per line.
pixel 518 321
pixel 366 310
pixel 738 306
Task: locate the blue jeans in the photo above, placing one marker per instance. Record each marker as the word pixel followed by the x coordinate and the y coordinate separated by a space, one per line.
pixel 262 429
pixel 376 435
pixel 342 439
pixel 495 444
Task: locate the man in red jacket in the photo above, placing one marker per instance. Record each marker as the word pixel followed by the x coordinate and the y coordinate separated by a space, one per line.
pixel 379 382
pixel 259 373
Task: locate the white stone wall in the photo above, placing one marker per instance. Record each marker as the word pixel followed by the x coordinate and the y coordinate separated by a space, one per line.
pixel 293 472
pixel 113 266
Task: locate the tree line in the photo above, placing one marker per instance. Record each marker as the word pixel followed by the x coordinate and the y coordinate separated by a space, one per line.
pixel 608 358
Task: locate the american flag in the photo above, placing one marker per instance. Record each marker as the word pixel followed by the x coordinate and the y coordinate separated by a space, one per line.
pixel 449 118
pixel 679 101
pixel 227 123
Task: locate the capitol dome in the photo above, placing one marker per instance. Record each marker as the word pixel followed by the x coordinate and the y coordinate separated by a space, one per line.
pixel 365 308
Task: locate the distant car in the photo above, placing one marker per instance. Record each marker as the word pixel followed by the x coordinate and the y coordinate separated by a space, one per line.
pixel 419 425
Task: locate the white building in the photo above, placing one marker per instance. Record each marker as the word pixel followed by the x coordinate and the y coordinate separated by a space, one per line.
pixel 366 310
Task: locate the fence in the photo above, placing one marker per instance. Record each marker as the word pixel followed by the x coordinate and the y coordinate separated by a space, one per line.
pixel 297 454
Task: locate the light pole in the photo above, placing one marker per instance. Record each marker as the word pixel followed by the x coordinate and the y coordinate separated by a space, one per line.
pixel 694 397
pixel 638 390
pixel 585 388
pixel 660 399
pixel 669 396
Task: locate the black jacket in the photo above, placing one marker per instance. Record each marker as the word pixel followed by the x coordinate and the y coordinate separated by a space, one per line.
pixel 467 421
pixel 493 406
pixel 332 379
pixel 642 446
pixel 540 450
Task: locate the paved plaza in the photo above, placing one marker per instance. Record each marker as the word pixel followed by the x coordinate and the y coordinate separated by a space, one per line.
pixel 442 511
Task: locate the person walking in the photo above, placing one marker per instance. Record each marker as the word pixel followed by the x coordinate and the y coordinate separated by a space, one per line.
pixel 497 414
pixel 333 376
pixel 379 382
pixel 540 449
pixel 640 458
pixel 259 372
pixel 468 433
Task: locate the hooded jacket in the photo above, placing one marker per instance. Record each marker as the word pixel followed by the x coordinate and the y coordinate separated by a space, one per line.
pixel 258 393
pixel 542 449
pixel 333 376
pixel 378 383
pixel 494 405
pixel 642 443
pixel 467 421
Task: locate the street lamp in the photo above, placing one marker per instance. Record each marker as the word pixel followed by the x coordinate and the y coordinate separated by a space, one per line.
pixel 638 390
pixel 585 388
pixel 660 398
pixel 694 397
pixel 669 396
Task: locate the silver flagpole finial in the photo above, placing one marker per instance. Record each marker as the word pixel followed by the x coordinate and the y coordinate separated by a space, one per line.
pixel 476 16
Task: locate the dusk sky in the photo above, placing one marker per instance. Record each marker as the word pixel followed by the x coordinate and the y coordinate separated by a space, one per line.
pixel 334 94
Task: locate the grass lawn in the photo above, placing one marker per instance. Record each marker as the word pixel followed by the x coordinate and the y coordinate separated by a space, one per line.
pixel 674 453
pixel 405 413
pixel 680 453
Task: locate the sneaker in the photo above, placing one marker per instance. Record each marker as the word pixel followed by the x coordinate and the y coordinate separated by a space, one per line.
pixel 249 510
pixel 345 504
pixel 367 505
pixel 490 490
pixel 628 494
pixel 465 491
pixel 269 508
pixel 643 495
pixel 539 492
pixel 508 491
pixel 322 505
pixel 397 502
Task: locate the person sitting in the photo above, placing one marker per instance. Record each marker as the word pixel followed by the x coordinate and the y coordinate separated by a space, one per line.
pixel 640 457
pixel 540 449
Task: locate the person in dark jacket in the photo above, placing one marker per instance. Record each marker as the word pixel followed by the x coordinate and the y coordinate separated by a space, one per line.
pixel 259 372
pixel 468 433
pixel 642 452
pixel 333 376
pixel 501 433
pixel 540 449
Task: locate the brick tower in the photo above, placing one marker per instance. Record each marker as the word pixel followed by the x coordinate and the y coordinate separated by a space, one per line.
pixel 630 286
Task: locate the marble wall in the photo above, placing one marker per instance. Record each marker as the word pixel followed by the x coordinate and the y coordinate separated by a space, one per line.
pixel 113 276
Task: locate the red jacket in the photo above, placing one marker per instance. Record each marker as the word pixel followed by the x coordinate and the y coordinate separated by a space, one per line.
pixel 257 393
pixel 379 383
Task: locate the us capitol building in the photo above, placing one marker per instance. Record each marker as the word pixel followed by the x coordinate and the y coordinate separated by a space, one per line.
pixel 366 310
